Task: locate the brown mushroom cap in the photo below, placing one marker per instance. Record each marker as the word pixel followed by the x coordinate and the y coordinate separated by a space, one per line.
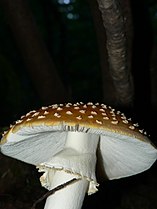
pixel 80 117
pixel 41 134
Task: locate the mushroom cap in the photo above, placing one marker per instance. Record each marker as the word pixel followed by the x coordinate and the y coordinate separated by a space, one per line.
pixel 124 149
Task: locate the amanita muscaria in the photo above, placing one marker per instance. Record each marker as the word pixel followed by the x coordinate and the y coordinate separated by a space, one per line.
pixel 68 141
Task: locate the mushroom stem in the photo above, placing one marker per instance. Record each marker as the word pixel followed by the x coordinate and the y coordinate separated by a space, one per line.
pixel 76 160
pixel 70 197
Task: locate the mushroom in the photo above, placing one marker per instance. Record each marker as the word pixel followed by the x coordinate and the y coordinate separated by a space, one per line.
pixel 68 141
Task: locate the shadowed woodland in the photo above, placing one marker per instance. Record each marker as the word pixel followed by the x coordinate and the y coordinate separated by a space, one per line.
pixel 58 51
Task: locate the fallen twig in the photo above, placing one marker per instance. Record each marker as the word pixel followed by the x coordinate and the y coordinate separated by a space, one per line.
pixel 53 191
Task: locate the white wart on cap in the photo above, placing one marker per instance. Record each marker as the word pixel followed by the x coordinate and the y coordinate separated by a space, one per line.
pixel 44 137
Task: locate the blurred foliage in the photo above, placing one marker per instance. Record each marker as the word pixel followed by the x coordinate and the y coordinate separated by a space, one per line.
pixel 16 90
pixel 68 32
pixel 71 40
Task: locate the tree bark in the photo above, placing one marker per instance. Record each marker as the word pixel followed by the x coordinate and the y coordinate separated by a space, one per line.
pixel 37 59
pixel 114 24
pixel 108 90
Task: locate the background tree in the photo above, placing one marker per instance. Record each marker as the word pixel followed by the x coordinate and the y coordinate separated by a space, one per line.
pixel 40 65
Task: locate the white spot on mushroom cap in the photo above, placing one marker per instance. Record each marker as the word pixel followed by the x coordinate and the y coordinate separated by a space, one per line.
pixel 136 124
pixel 28 114
pixel 112 111
pixel 125 121
pixel 132 127
pixel 123 117
pixel 141 131
pixel 46 112
pixel 114 118
pixel 18 121
pixel 115 122
pixel 41 116
pixel 82 111
pixel 90 116
pixel 35 114
pixel 76 107
pixel 90 103
pixel 79 117
pixel 68 105
pixel 106 118
pixel 44 108
pixel 101 110
pixel 118 112
pixel 69 112
pixel 59 108
pixel 99 121
pixel 94 113
pixel 4 133
pixel 113 114
pixel 57 115
pixel 28 119
pixel 104 106
pixel 54 106
pixel 77 104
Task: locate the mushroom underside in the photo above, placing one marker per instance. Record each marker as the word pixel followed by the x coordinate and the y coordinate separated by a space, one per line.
pixel 120 155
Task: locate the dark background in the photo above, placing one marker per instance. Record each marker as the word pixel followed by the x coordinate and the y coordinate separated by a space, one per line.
pixel 69 35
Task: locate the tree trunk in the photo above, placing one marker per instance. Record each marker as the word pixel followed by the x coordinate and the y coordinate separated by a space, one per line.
pixel 109 96
pixel 38 61
pixel 114 24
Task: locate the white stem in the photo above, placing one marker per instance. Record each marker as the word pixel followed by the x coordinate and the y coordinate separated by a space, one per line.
pixel 70 197
pixel 76 160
